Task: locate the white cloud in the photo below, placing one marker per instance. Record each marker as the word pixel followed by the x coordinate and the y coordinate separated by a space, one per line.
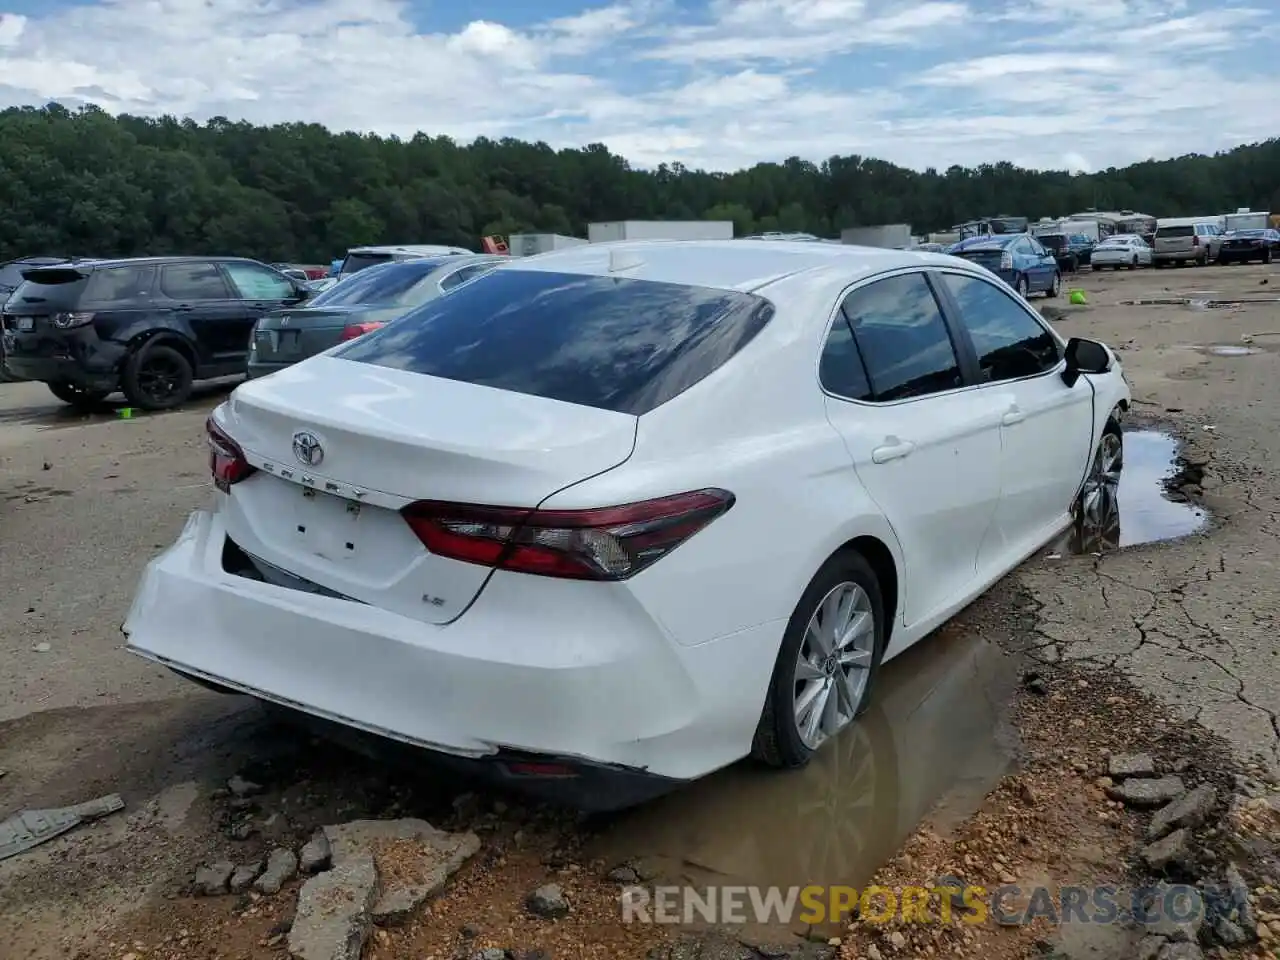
pixel 721 84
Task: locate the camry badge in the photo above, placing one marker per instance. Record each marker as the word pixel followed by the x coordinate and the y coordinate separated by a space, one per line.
pixel 306 447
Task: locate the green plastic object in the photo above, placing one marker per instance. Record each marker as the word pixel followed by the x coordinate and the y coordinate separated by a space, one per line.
pixel 126 413
pixel 1077 298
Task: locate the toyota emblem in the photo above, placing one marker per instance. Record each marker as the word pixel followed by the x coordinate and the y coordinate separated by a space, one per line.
pixel 306 447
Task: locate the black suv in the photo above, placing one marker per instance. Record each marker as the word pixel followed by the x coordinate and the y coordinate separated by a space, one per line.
pixel 147 326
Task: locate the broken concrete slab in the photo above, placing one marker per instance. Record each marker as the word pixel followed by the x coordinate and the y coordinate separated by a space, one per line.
pixel 282 866
pixel 1122 766
pixel 1145 793
pixel 315 854
pixel 1238 897
pixel 243 876
pixel 1171 851
pixel 451 850
pixel 242 788
pixel 1190 810
pixel 1175 913
pixel 212 880
pixel 30 828
pixel 1182 950
pixel 1149 947
pixel 335 910
pixel 400 902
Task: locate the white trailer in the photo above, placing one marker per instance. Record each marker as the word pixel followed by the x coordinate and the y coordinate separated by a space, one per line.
pixel 615 230
pixel 1246 219
pixel 532 244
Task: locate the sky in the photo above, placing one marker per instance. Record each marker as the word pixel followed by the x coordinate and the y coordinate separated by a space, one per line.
pixel 718 84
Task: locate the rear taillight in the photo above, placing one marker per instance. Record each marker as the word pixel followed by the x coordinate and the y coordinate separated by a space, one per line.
pixel 1195 241
pixel 1006 261
pixel 65 321
pixel 353 330
pixel 227 462
pixel 608 543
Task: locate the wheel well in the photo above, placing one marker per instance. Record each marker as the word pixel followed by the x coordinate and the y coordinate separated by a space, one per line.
pixel 169 340
pixel 886 570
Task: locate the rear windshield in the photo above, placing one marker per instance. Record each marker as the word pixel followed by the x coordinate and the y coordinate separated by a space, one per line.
pixel 385 284
pixel 65 287
pixel 604 342
pixel 1247 233
pixel 1054 241
pixel 1165 232
pixel 356 262
pixel 51 288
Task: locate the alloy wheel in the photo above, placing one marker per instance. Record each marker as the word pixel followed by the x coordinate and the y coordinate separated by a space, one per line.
pixel 159 379
pixel 834 663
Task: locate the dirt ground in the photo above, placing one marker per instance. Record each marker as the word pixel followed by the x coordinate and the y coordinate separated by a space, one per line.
pixel 1165 647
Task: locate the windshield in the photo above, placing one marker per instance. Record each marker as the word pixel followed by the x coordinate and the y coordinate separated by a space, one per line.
pixel 1247 233
pixel 606 342
pixel 1054 241
pixel 386 283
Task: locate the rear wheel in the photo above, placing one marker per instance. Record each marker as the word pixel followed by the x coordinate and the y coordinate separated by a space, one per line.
pixel 1133 264
pixel 1055 287
pixel 77 396
pixel 827 663
pixel 1267 255
pixel 1020 284
pixel 157 377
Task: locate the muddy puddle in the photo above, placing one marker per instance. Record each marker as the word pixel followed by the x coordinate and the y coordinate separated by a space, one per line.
pixel 931 746
pixel 1229 350
pixel 35 409
pixel 1141 507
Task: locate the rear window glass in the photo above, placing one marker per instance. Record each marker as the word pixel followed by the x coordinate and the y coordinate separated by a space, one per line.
pixel 356 262
pixel 387 283
pixel 1054 241
pixel 50 288
pixel 1165 232
pixel 1247 233
pixel 605 342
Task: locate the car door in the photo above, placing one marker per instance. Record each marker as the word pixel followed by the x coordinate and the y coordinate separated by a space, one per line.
pixel 926 449
pixel 201 303
pixel 260 290
pixel 1046 426
pixel 1045 264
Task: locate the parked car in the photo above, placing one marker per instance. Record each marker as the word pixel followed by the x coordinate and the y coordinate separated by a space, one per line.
pixel 1241 246
pixel 1018 259
pixel 1184 241
pixel 1126 250
pixel 543 525
pixel 356 306
pixel 321 285
pixel 292 272
pixel 10 278
pixel 1071 251
pixel 360 258
pixel 148 326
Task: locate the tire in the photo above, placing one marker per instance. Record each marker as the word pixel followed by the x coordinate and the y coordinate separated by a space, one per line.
pixel 1020 285
pixel 1055 287
pixel 1267 255
pixel 778 740
pixel 78 397
pixel 157 377
pixel 1133 264
pixel 1096 522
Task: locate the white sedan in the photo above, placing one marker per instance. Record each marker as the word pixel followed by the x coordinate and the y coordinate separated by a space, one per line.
pixel 1122 250
pixel 611 518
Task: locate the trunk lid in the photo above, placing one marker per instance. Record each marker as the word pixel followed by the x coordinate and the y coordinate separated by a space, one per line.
pixel 390 437
pixel 294 334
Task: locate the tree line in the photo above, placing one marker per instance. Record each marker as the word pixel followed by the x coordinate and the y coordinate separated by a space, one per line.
pixel 89 184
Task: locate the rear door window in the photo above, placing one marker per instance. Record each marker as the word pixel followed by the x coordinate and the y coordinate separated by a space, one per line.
pixel 903 338
pixel 119 284
pixel 605 342
pixel 193 281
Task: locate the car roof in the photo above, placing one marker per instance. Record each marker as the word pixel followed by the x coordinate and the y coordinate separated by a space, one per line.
pixel 421 249
pixel 742 264
pixel 98 263
pixel 994 239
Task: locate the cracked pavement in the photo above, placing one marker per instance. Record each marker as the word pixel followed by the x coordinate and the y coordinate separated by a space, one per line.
pixel 1190 621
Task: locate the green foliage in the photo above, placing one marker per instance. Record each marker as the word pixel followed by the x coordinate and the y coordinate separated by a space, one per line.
pixel 89 184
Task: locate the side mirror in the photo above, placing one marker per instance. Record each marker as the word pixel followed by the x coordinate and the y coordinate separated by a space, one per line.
pixel 1084 356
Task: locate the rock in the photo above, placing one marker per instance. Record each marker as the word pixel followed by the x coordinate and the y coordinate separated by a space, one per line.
pixel 492 953
pixel 451 850
pixel 1038 687
pixel 244 875
pixel 1121 766
pixel 1146 793
pixel 399 903
pixel 212 880
pixel 1173 850
pixel 240 787
pixel 1182 950
pixel 1190 913
pixel 897 939
pixel 1190 810
pixel 282 866
pixel 1229 933
pixel 244 830
pixel 335 909
pixel 624 875
pixel 547 902
pixel 1149 947
pixel 873 952
pixel 315 854
pixel 1238 897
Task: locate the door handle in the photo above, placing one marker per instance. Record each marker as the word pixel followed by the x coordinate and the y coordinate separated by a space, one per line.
pixel 184 308
pixel 1012 415
pixel 891 449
